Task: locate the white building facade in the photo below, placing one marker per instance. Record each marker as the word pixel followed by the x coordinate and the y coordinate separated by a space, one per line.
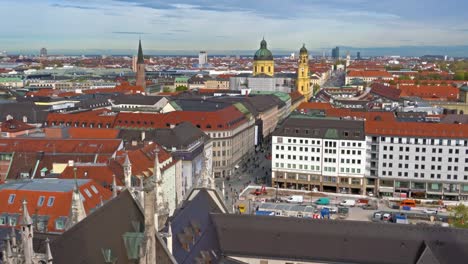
pixel 326 154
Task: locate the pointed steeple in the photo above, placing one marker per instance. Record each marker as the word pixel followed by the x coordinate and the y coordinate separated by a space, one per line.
pixel 140 59
pixel 13 239
pixel 114 186
pixel 127 166
pixel 26 219
pixel 48 256
pixel 27 235
pixel 8 252
pixel 77 210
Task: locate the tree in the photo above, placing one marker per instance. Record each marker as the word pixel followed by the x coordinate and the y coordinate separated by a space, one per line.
pixel 181 88
pixel 459 216
pixel 459 75
pixel 166 89
pixel 315 88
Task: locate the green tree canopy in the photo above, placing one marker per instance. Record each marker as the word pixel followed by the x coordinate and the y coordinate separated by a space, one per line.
pixel 181 88
pixel 460 216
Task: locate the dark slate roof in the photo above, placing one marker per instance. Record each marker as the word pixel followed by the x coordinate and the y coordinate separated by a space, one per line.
pixel 338 241
pixel 321 128
pixel 136 99
pixel 34 113
pixel 200 105
pixel 103 229
pixel 180 136
pixel 196 212
pixel 455 119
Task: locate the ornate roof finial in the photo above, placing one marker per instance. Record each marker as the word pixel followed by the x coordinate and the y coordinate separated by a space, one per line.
pixel 26 220
pixel 114 186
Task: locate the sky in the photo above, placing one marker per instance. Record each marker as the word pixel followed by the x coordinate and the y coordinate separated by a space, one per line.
pixel 230 24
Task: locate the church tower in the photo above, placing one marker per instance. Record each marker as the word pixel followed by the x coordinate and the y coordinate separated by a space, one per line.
pixel 127 167
pixel 263 61
pixel 140 73
pixel 303 79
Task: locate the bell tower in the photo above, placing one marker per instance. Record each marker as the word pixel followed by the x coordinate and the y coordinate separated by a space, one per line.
pixel 303 79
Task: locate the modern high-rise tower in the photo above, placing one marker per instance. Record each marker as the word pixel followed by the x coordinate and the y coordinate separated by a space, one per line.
pixel 140 73
pixel 303 79
pixel 43 52
pixel 202 58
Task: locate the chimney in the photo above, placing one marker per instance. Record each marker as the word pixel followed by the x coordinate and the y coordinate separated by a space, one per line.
pixel 71 163
pixel 143 135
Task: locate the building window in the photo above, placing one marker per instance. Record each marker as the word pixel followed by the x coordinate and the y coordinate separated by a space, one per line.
pixel 11 199
pixel 50 202
pixel 40 201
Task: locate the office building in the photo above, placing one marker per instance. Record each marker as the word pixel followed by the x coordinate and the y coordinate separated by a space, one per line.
pixel 336 53
pixel 202 58
pixel 43 52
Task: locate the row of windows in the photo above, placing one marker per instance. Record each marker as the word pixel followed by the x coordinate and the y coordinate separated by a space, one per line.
pixel 351 152
pixel 350 170
pixel 351 161
pixel 423 150
pixel 423 141
pixel 301 141
pixel 221 153
pixel 329 169
pixel 294 157
pixel 349 144
pixel 296 166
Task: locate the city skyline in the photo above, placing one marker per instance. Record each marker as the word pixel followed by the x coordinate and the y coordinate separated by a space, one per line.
pixel 226 25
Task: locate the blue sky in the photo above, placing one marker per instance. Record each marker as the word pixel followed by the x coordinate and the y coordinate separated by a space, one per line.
pixel 230 24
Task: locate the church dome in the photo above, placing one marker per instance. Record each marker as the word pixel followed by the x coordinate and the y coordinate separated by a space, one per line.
pixel 303 49
pixel 263 53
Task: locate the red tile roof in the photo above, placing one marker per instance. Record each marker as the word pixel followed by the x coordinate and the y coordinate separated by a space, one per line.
pixel 60 206
pixel 93 133
pixel 226 118
pixel 376 74
pixel 99 172
pixel 446 92
pixel 385 91
pixel 14 125
pixel 417 129
pixel 142 159
pixel 94 146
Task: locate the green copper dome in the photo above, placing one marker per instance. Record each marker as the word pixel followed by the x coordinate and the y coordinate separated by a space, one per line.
pixel 303 49
pixel 263 53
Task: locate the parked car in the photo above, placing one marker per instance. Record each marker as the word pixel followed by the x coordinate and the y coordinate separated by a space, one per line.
pixel 430 211
pixel 295 199
pixel 351 203
pixel 323 201
pixel 331 209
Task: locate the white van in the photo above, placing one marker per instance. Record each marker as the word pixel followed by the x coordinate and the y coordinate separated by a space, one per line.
pixel 351 203
pixel 295 199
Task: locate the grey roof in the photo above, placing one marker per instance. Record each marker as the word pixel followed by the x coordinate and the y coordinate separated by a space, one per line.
pixel 34 113
pixel 104 229
pixel 200 105
pixel 321 128
pixel 136 99
pixel 196 212
pixel 455 119
pixel 49 185
pixel 180 136
pixel 338 241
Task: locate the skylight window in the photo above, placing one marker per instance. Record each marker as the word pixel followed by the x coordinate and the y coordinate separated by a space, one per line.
pixel 95 190
pixel 88 193
pixel 11 199
pixel 40 201
pixel 51 201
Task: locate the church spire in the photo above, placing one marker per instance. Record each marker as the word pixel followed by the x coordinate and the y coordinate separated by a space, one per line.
pixel 48 255
pixel 77 210
pixel 151 216
pixel 27 234
pixel 140 59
